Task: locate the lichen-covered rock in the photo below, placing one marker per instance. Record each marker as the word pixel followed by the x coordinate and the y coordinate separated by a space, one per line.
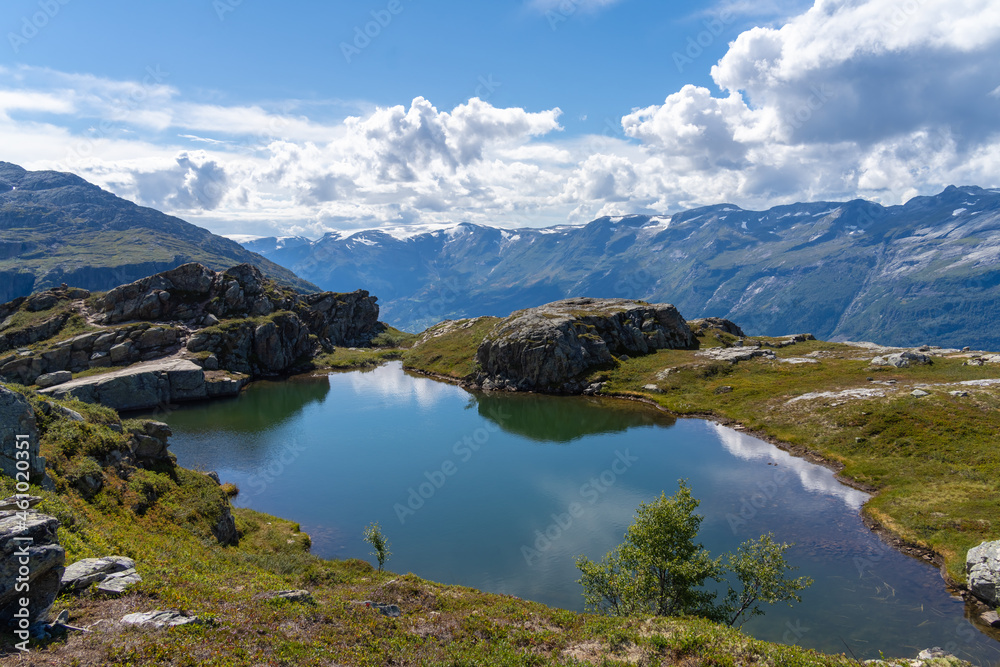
pixel 551 347
pixel 982 565
pixel 158 619
pixel 29 543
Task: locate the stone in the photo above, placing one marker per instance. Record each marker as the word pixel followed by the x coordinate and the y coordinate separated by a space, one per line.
pixel 211 320
pixel 52 379
pixel 990 618
pixel 149 448
pixel 159 619
pixel 138 387
pixel 17 417
pixel 46 560
pixel 919 393
pixel 959 393
pixel 798 360
pixel 551 347
pixel 224 529
pixel 726 389
pixel 83 573
pixel 736 354
pixel 211 363
pixel 104 342
pixel 932 653
pixel 982 565
pixel 901 360
pixel 290 595
pixel 120 353
pixel 118 582
pixel 651 387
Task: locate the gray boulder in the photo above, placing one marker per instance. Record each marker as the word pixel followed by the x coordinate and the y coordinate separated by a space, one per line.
pixel 118 582
pixel 83 573
pixel 34 540
pixel 550 347
pixel 982 565
pixel 290 595
pixel 902 359
pixel 17 417
pixel 52 379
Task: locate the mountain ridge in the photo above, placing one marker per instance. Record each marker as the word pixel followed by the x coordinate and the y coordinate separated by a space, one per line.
pixel 924 271
pixel 56 227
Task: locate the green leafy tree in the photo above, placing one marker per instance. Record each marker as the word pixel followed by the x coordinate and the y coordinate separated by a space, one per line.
pixel 762 572
pixel 661 569
pixel 374 537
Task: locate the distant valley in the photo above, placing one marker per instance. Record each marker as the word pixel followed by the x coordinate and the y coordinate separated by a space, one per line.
pixel 924 272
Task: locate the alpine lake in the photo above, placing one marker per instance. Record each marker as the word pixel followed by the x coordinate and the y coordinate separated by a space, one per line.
pixel 501 492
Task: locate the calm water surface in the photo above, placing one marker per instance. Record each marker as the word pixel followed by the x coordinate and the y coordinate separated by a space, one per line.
pixel 502 492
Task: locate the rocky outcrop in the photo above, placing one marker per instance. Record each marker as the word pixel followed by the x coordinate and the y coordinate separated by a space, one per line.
pixel 147 385
pixel 17 418
pixel 195 294
pixel 551 347
pixel 97 349
pixel 38 302
pixel 705 324
pixel 982 565
pixel 246 346
pixel 29 552
pixel 159 619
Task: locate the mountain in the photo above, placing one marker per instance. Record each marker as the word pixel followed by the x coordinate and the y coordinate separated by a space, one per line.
pixel 924 272
pixel 58 228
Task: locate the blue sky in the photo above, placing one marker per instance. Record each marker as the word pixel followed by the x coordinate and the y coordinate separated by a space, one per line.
pixel 258 117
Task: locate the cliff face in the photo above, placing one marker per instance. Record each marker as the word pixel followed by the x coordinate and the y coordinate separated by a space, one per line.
pixel 551 347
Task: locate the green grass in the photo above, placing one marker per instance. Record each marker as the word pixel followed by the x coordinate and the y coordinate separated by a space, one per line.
pixel 343 358
pixel 933 461
pixel 161 517
pixel 447 346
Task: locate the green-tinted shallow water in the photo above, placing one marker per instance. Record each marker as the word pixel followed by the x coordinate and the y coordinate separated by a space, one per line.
pixel 502 492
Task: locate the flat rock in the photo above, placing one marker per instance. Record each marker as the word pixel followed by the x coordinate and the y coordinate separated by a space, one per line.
pixel 52 379
pixel 735 354
pixel 118 582
pixel 83 573
pixel 919 393
pixel 798 360
pixel 290 595
pixel 159 619
pixel 141 386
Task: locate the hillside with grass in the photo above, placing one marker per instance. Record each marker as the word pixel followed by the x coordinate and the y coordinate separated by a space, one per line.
pixel 58 228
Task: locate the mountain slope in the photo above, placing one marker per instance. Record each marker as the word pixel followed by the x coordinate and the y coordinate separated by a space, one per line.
pixel 58 228
pixel 927 271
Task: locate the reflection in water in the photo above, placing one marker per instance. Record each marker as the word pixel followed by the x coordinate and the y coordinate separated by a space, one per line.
pixel 565 418
pixel 493 498
pixel 813 477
